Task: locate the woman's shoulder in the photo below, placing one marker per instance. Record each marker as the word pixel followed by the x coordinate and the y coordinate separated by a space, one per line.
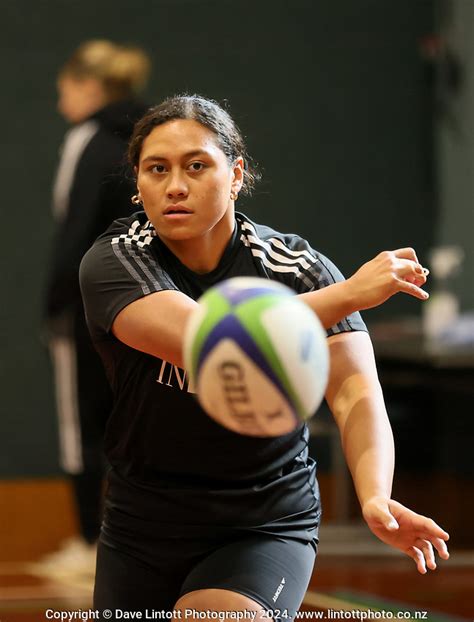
pixel 120 268
pixel 266 236
pixel 126 237
pixel 135 229
pixel 288 256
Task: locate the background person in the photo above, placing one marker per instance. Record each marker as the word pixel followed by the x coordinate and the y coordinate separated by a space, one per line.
pixel 98 88
pixel 198 516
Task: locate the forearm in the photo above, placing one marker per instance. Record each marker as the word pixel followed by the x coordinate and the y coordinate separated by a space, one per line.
pixel 366 437
pixel 355 398
pixel 331 304
pixel 376 281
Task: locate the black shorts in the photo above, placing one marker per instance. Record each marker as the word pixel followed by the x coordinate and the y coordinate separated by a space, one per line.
pixel 271 570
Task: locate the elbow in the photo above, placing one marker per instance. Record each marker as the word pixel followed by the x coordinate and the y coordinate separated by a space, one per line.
pixel 350 395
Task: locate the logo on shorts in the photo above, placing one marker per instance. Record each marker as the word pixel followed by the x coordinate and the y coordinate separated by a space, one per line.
pixel 279 590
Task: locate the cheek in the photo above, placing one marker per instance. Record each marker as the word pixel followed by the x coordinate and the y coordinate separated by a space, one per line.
pixel 219 187
pixel 214 196
pixel 144 186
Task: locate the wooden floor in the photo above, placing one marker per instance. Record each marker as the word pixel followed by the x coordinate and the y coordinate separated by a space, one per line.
pixel 354 571
pixel 340 585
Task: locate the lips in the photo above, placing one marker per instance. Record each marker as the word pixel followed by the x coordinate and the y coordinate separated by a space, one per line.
pixel 176 209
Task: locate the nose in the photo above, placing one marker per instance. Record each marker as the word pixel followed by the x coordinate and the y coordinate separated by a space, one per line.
pixel 177 186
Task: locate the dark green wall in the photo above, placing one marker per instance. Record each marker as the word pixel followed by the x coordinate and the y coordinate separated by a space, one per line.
pixel 455 148
pixel 331 95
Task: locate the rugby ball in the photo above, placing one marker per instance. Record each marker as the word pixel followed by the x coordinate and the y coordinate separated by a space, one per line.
pixel 257 357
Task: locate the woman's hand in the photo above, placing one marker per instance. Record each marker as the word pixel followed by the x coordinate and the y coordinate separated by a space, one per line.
pixel 411 533
pixel 388 273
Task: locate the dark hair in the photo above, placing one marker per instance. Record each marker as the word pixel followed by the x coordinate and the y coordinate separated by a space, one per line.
pixel 209 114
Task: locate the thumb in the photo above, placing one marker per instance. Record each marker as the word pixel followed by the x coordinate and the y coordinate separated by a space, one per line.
pixel 389 522
pixel 385 518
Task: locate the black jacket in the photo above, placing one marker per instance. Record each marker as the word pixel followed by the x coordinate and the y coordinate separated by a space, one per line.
pixel 100 188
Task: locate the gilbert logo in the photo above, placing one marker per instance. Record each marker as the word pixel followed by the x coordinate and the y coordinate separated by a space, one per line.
pixel 236 394
pixel 279 590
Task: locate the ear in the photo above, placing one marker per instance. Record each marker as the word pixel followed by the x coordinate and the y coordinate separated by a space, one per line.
pixel 237 175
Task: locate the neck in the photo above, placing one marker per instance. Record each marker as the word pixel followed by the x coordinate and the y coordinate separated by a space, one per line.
pixel 202 254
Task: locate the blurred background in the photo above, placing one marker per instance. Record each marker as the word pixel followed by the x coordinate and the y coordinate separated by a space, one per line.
pixel 361 115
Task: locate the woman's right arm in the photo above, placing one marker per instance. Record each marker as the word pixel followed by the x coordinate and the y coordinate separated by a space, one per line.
pixel 155 324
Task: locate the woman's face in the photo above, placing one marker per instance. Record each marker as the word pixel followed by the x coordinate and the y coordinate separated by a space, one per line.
pixel 78 99
pixel 185 180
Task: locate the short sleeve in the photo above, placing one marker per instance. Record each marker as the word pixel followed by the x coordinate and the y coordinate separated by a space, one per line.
pixel 119 269
pixel 316 271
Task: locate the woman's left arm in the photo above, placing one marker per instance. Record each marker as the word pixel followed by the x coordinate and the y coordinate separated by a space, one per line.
pixel 356 401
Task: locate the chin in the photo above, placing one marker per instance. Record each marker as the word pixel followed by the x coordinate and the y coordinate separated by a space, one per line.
pixel 175 233
pixel 179 236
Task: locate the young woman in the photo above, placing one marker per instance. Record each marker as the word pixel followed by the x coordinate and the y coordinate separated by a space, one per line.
pixel 97 88
pixel 198 517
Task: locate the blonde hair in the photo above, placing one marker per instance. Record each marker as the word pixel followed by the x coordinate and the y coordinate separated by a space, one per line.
pixel 122 69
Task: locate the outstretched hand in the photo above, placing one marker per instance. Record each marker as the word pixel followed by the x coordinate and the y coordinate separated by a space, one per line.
pixel 411 533
pixel 387 274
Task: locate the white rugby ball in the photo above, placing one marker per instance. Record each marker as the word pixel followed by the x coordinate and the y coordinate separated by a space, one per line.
pixel 257 357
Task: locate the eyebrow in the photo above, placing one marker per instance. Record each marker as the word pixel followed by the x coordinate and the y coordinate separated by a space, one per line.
pixel 188 154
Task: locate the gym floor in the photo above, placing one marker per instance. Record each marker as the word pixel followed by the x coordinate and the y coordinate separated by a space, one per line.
pixel 341 584
pixel 354 571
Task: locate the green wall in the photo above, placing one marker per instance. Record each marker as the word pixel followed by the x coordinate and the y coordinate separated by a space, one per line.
pixel 455 147
pixel 331 95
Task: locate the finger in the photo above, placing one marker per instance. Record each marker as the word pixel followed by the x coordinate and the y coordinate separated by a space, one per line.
pixel 428 553
pixel 416 279
pixel 420 279
pixel 415 553
pixel 407 267
pixel 441 547
pixel 406 253
pixel 430 529
pixel 411 289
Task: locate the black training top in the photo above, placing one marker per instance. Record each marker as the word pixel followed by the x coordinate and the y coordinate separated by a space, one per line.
pixel 157 434
pixel 157 429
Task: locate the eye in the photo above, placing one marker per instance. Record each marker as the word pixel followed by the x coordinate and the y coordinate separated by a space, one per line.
pixel 158 168
pixel 195 167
